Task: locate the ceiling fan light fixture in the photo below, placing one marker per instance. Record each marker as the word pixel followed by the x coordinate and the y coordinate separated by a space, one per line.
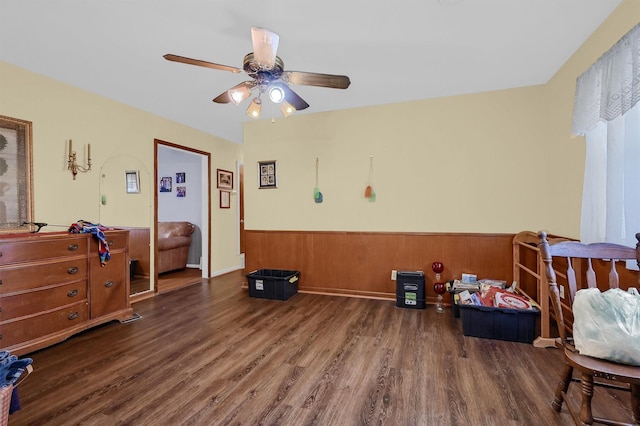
pixel 276 94
pixel 287 109
pixel 254 108
pixel 239 94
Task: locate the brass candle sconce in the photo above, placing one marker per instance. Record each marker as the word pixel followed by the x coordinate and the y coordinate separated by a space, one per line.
pixel 73 165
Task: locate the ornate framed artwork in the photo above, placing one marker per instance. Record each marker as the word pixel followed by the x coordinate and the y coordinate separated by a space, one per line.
pixel 225 199
pixel 16 179
pixel 225 179
pixel 267 174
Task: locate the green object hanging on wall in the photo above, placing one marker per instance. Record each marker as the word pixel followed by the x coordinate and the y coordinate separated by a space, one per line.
pixel 317 195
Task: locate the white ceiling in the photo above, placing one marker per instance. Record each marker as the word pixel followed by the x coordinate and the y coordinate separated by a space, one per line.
pixel 393 51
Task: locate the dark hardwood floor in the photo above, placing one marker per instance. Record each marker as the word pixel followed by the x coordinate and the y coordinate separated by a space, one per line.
pixel 208 354
pixel 174 280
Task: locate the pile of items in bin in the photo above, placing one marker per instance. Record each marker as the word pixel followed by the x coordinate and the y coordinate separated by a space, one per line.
pixel 491 293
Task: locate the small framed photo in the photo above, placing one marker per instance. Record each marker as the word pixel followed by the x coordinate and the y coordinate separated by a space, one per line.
pixel 165 184
pixel 267 174
pixel 225 199
pixel 132 178
pixel 181 177
pixel 225 179
pixel 181 191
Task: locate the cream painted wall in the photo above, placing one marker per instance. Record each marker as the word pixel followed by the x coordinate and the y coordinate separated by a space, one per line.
pixel 456 164
pixel 500 162
pixel 60 112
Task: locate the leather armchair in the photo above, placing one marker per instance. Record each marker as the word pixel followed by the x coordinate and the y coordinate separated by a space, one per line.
pixel 174 239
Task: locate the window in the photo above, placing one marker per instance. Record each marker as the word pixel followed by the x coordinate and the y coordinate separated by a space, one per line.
pixel 607 114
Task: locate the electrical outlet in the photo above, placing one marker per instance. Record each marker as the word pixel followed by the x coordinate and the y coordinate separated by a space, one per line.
pixel 561 292
pixel 394 275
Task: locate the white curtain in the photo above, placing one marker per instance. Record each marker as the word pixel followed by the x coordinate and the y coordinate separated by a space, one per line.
pixel 605 111
pixel 611 86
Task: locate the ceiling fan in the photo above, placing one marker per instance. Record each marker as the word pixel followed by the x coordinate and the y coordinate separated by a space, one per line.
pixel 268 75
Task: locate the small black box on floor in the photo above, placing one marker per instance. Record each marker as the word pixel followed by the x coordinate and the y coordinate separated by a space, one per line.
pixel 273 283
pixel 410 289
pixel 515 325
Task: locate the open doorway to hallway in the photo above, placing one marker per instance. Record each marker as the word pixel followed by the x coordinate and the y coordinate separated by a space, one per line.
pixel 182 188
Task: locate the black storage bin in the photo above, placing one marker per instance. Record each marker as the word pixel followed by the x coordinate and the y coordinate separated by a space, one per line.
pixel 515 325
pixel 273 283
pixel 410 289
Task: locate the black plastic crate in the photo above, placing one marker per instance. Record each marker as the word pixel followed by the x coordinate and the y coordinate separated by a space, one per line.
pixel 410 289
pixel 515 325
pixel 273 283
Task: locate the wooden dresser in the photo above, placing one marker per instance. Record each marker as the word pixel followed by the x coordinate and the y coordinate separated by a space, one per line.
pixel 52 286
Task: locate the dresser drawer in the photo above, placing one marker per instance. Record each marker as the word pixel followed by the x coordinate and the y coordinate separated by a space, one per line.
pixel 19 278
pixel 117 240
pixel 23 330
pixel 42 300
pixel 108 285
pixel 39 248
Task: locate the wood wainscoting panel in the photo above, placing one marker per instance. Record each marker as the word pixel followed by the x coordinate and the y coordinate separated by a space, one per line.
pixel 139 249
pixel 360 263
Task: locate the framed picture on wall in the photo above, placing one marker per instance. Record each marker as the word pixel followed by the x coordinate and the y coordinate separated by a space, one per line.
pixel 132 178
pixel 267 174
pixel 16 187
pixel 225 179
pixel 165 184
pixel 225 199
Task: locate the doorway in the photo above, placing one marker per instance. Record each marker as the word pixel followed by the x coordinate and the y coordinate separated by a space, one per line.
pixel 187 172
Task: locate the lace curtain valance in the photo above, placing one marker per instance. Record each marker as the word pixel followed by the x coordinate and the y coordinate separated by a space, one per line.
pixel 611 86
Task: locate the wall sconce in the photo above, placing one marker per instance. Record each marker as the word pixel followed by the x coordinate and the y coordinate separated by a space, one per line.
pixel 73 165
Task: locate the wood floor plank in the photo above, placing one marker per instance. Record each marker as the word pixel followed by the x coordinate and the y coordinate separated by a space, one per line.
pixel 208 354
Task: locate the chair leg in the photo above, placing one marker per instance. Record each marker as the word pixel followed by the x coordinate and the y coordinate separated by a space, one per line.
pixel 587 393
pixel 562 388
pixel 635 403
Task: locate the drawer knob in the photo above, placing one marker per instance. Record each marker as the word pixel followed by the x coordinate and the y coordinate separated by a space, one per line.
pixel 72 247
pixel 110 243
pixel 108 284
pixel 72 270
pixel 73 315
pixel 72 293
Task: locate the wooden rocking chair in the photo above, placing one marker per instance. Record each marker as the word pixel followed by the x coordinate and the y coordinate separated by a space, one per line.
pixel 619 376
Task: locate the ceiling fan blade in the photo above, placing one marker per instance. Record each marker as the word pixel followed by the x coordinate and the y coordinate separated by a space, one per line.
pixel 198 62
pixel 292 97
pixel 244 88
pixel 265 47
pixel 316 79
